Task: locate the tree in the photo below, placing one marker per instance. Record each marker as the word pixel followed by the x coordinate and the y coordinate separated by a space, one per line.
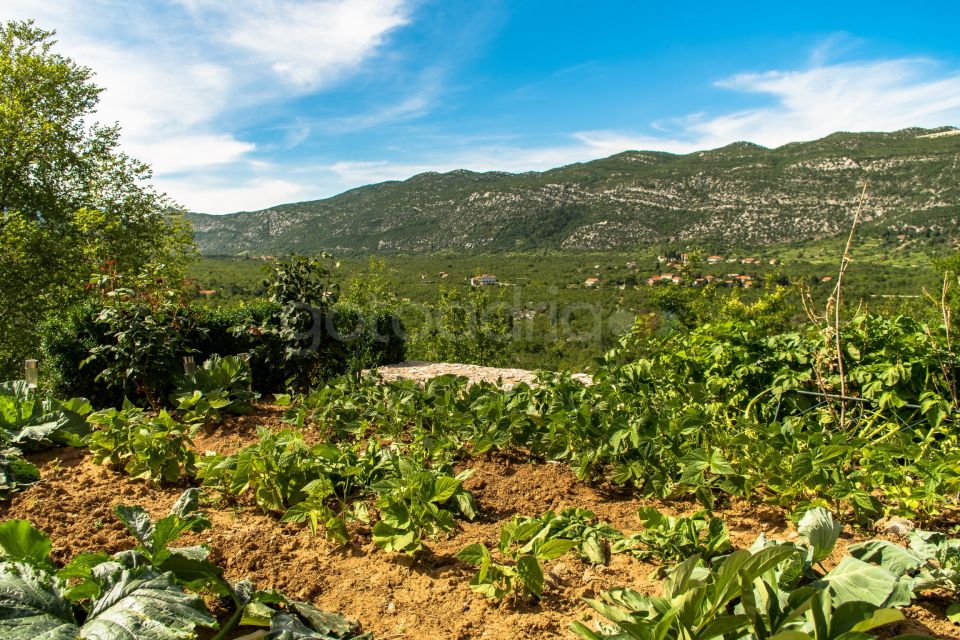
pixel 467 327
pixel 71 203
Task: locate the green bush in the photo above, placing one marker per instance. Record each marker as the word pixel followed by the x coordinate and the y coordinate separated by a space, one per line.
pixel 361 338
pixel 222 337
pixel 65 341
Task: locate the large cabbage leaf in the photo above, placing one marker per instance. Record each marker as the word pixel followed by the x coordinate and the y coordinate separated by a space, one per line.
pixel 133 605
pixel 16 474
pixel 30 422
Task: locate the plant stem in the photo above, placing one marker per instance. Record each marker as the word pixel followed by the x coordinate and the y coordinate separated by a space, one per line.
pixel 844 262
pixel 234 619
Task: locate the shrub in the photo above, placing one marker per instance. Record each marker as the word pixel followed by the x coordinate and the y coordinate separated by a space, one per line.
pixel 155 448
pixel 147 335
pixel 222 336
pixel 221 384
pixel 65 341
pixel 470 327
pixel 361 338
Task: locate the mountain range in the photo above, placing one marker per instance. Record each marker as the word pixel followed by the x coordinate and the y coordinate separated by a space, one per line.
pixel 738 195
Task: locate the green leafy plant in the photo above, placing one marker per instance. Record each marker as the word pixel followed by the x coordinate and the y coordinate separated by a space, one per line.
pixel 592 538
pixel 415 502
pixel 221 384
pixel 525 545
pixel 931 561
pixel 291 339
pixel 139 594
pixel 740 596
pixel 16 474
pixel 31 422
pixel 114 600
pixel 306 483
pixel 314 510
pixel 673 538
pixel 155 448
pixel 149 328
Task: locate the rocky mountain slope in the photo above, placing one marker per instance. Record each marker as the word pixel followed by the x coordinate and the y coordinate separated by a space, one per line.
pixel 741 194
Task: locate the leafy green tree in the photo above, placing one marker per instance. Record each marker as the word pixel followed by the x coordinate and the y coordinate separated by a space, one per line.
pixel 302 287
pixel 468 327
pixel 71 203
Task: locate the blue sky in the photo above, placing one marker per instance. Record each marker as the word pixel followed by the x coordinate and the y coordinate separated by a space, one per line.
pixel 245 104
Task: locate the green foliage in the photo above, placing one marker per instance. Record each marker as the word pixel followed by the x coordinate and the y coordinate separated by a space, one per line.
pixel 465 327
pixel 148 329
pixel 755 595
pixel 304 291
pixel 278 468
pixel 155 448
pixel 368 338
pixel 20 542
pixel 16 474
pixel 70 201
pixel 221 384
pixel 931 562
pixel 287 476
pixel 65 341
pixel 592 538
pixel 30 422
pixel 141 600
pixel 723 409
pixel 417 502
pixel 218 336
pixel 138 594
pixel 674 538
pixel 124 597
pixel 314 510
pixel 309 338
pixel 525 543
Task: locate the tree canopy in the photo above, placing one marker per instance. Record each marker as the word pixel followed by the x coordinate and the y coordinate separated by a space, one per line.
pixel 71 202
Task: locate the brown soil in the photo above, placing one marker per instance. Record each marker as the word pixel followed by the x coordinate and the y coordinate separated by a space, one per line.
pixel 388 593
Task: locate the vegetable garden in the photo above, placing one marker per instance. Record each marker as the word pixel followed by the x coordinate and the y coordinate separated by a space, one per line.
pixel 707 483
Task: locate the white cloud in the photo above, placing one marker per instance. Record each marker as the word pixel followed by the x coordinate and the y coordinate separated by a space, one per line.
pixel 186 152
pixel 313 44
pixel 211 195
pixel 811 103
pixel 173 74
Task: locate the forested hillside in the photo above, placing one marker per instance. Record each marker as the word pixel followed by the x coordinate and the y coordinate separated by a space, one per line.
pixel 741 194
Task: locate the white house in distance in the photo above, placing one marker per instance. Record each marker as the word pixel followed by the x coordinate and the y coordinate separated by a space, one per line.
pixel 485 279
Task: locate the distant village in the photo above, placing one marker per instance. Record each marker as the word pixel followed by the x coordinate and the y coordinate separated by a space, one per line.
pixel 675 270
pixel 679 267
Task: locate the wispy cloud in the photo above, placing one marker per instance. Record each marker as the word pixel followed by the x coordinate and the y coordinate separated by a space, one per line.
pixel 174 73
pixel 867 96
pixel 307 44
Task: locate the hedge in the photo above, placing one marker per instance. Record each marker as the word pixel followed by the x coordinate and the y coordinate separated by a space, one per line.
pixel 352 339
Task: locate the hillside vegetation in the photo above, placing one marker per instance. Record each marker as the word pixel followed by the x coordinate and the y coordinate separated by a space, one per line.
pixel 741 194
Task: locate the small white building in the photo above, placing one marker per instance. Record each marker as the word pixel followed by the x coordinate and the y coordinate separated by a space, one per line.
pixel 484 280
